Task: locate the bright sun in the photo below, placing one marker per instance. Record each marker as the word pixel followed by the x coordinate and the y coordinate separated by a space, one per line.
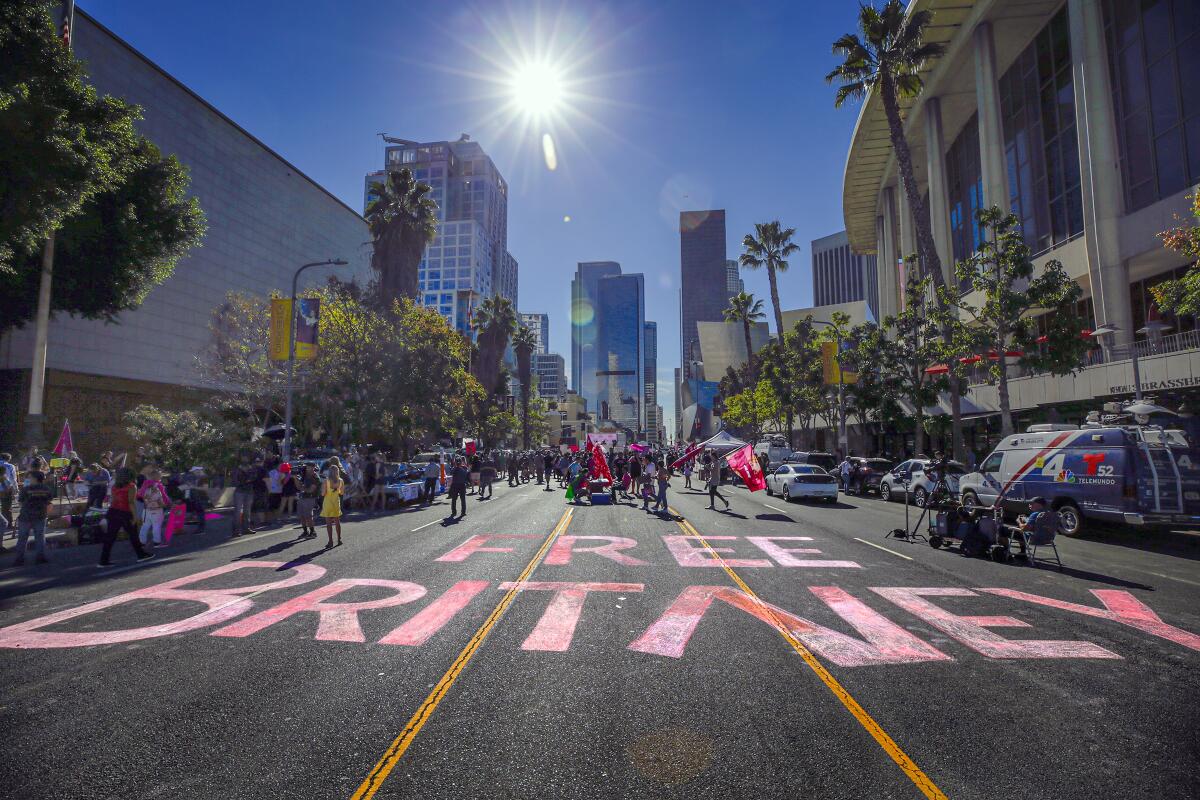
pixel 537 88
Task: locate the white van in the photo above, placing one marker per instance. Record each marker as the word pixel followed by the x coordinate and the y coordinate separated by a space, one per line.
pixel 775 450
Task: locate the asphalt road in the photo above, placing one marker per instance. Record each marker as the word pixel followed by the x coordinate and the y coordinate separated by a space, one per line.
pixel 504 656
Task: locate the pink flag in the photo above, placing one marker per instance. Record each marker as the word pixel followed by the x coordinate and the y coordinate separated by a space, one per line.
pixel 747 467
pixel 638 448
pixel 65 445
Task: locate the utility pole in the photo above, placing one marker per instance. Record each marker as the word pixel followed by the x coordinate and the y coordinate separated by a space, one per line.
pixel 34 419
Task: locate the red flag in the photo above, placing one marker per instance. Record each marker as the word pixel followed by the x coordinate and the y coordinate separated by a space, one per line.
pixel 469 446
pixel 599 462
pixel 744 463
pixel 65 445
pixel 691 453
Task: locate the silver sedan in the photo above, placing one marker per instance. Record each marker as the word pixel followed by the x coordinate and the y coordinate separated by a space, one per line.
pixel 805 481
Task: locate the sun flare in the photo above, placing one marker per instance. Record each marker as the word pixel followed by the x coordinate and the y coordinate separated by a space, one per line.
pixel 537 88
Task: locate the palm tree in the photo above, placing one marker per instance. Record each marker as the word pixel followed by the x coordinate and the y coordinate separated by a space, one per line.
pixel 524 343
pixel 887 59
pixel 744 308
pixel 494 322
pixel 402 221
pixel 769 246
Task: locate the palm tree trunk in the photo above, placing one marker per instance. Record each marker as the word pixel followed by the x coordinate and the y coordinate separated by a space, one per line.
pixel 931 264
pixel 749 351
pixel 775 300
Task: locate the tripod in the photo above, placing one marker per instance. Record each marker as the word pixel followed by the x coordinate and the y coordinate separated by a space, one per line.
pixel 939 498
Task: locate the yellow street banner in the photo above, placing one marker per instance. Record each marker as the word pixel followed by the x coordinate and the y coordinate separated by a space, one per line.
pixel 281 308
pixel 307 318
pixel 830 367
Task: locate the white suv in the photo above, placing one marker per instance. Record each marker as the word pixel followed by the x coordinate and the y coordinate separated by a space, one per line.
pixel 912 474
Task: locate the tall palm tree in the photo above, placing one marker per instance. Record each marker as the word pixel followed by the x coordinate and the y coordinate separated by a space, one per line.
pixel 524 343
pixel 744 308
pixel 402 221
pixel 887 59
pixel 769 246
pixel 494 322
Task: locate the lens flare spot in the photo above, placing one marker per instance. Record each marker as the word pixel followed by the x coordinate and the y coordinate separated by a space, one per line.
pixel 566 218
pixel 548 152
pixel 582 312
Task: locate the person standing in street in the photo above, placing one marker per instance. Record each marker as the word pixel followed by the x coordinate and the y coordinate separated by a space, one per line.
pixel 98 479
pixel 290 488
pixel 35 499
pixel 120 517
pixel 713 484
pixel 458 488
pixel 663 477
pixel 431 473
pixel 648 476
pixel 487 476
pixel 244 478
pixel 310 492
pixel 154 502
pixel 8 492
pixel 513 466
pixel 274 493
pixel 331 507
pixel 548 468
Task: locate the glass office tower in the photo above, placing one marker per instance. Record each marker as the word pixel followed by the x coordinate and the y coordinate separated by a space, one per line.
pixel 620 353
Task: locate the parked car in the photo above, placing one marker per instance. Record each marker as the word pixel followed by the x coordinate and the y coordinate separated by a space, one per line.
pixel 914 475
pixel 1134 476
pixel 825 461
pixel 870 473
pixel 802 481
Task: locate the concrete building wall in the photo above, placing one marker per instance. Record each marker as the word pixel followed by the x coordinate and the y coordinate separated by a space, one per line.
pixel 265 218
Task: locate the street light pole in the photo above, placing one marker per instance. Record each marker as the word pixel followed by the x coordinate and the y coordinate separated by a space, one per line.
pixel 34 429
pixel 843 436
pixel 287 413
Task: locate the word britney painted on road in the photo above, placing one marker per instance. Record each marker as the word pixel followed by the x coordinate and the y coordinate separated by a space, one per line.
pixel 876 639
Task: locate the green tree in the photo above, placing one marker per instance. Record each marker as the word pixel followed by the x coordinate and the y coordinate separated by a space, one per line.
pixel 180 440
pixel 247 384
pixel 1004 318
pixel 1182 296
pixel 915 346
pixel 791 365
pixel 769 246
pixel 402 221
pixel 495 322
pixel 744 309
pixel 751 409
pixel 73 166
pixel 524 343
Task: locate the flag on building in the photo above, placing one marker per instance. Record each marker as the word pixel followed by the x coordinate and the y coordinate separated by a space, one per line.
pixel 65 444
pixel 746 466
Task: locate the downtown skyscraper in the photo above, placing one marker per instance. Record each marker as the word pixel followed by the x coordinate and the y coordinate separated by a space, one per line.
pixel 608 345
pixel 468 259
pixel 703 279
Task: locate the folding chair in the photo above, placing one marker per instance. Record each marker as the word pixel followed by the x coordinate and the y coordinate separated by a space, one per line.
pixel 1043 534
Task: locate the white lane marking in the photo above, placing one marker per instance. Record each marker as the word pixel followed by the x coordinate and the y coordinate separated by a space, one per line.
pixel 881 547
pixel 1168 577
pixel 773 508
pixel 426 525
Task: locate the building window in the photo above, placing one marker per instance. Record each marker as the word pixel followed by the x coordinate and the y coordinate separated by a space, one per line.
pixel 1154 59
pixel 964 181
pixel 1037 104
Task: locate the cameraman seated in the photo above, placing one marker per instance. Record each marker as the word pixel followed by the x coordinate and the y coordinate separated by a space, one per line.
pixel 1026 526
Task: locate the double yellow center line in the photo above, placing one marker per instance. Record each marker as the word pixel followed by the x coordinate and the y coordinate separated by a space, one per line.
pixel 396 750
pixel 909 767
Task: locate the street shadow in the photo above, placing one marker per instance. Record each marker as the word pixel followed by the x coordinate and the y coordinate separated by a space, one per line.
pixel 773 518
pixel 1052 566
pixel 278 547
pixel 729 513
pixel 448 521
pixel 302 559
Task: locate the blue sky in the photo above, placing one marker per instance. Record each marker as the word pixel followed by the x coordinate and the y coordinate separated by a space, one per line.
pixel 669 105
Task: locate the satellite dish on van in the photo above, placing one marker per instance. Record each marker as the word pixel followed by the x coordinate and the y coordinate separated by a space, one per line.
pixel 1144 409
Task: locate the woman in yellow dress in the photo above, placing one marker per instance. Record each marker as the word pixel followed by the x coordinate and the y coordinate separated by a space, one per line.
pixel 331 506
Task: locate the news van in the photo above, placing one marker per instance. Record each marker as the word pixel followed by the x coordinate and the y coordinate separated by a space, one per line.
pixel 1131 475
